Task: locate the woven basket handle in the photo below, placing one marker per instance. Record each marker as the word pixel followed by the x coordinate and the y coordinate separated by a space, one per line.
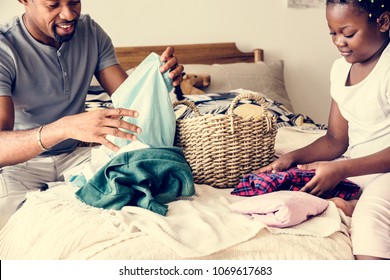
pixel 250 96
pixel 189 104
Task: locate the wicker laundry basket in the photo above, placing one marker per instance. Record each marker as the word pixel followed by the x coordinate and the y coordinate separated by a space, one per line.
pixel 221 148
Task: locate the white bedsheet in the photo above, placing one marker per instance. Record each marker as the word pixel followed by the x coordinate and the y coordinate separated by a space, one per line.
pixel 55 225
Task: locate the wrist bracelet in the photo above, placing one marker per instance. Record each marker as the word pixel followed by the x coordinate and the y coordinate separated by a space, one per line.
pixel 39 139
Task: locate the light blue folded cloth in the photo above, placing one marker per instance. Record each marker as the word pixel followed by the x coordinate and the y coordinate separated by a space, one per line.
pixel 147 90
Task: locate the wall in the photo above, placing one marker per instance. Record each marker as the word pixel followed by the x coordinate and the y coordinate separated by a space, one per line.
pixel 298 36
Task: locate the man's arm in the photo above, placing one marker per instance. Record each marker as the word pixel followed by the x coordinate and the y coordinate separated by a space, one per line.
pixel 19 146
pixel 15 146
pixel 111 78
pixel 93 127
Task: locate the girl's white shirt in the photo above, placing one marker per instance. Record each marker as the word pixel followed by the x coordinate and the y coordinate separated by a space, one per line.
pixel 366 105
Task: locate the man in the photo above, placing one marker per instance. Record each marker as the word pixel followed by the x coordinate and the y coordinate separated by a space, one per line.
pixel 47 59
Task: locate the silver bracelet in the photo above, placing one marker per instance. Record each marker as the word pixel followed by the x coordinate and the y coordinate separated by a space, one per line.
pixel 39 139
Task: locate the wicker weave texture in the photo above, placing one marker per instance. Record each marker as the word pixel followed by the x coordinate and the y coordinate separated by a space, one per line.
pixel 222 148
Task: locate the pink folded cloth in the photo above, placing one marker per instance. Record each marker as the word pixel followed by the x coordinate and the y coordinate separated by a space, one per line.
pixel 281 208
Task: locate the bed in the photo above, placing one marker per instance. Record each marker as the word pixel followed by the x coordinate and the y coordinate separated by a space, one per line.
pixel 199 227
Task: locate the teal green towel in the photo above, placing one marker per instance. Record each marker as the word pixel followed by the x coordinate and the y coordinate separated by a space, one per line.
pixel 148 178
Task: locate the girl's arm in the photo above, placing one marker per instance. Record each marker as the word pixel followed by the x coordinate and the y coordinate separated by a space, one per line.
pixel 330 173
pixel 328 147
pixel 375 163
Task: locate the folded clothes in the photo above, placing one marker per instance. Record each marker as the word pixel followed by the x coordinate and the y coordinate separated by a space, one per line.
pixel 292 179
pixel 282 208
pixel 147 91
pixel 148 178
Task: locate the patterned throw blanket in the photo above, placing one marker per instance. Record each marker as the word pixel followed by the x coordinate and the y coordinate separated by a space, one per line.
pixel 219 103
pixel 214 103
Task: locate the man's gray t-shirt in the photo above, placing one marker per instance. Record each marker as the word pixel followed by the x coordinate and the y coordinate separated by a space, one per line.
pixel 45 83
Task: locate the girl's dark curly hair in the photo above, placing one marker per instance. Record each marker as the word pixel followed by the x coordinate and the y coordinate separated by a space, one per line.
pixel 374 8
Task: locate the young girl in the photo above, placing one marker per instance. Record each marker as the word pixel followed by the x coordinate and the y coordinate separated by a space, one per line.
pixel 359 120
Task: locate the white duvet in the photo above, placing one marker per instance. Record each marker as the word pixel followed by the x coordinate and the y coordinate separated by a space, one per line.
pixel 55 225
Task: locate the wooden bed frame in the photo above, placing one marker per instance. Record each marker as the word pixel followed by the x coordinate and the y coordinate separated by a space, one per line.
pixel 222 53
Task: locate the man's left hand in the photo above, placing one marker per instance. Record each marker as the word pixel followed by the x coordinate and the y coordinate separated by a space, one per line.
pixel 172 64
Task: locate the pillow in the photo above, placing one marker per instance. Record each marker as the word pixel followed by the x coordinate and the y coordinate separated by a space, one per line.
pixel 259 77
pixel 266 78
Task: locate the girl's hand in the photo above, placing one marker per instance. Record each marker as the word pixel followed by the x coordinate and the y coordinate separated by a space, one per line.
pixel 281 164
pixel 172 64
pixel 328 175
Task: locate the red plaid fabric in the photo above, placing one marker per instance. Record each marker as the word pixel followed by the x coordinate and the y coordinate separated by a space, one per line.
pixel 292 179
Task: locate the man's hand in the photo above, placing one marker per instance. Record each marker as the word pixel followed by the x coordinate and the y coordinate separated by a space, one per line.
pixel 94 126
pixel 172 64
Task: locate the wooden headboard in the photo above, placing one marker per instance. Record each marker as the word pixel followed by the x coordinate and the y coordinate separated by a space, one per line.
pixel 222 53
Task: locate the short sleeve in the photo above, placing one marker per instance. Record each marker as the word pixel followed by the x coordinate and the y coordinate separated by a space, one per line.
pixel 7 67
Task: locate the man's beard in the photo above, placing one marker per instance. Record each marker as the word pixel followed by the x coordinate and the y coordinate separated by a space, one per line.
pixel 66 38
